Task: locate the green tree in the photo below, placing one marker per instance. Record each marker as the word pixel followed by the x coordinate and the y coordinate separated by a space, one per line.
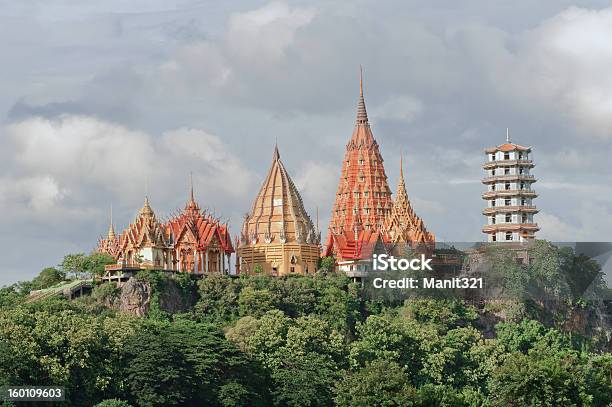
pixel 380 383
pixel 393 340
pixel 302 356
pixel 599 379
pixel 552 379
pixel 527 335
pixel 252 301
pixel 328 264
pixel 95 262
pixel 48 277
pixel 73 263
pixel 113 403
pixel 156 372
pixel 218 299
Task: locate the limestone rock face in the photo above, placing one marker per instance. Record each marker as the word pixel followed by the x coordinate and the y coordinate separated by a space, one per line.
pixel 135 297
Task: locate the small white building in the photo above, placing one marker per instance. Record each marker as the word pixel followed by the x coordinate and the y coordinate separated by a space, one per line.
pixel 509 196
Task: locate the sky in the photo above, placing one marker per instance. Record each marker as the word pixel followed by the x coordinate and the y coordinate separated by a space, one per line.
pixel 104 102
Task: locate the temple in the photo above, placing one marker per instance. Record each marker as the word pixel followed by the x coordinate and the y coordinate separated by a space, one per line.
pixel 509 196
pixel 191 241
pixel 364 216
pixel 402 225
pixel 201 244
pixel 277 236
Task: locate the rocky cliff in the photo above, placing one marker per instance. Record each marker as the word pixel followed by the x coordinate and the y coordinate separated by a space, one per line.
pixel 138 296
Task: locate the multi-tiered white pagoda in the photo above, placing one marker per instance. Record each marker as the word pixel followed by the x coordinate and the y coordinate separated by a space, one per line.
pixel 509 195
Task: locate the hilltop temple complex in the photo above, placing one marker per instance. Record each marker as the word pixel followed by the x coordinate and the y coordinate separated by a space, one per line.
pixel 191 241
pixel 364 215
pixel 277 236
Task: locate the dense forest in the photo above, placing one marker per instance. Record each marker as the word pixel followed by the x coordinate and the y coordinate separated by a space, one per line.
pixel 301 341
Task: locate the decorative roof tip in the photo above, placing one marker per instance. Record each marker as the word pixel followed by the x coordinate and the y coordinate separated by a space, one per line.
pixel 146 209
pixel 362 114
pixel 360 80
pixel 111 229
pixel 507 135
pixel 401 166
pixel 276 155
pixel 191 186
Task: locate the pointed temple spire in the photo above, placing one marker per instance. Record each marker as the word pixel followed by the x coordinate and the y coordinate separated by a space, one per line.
pixel 111 229
pixel 507 135
pixel 146 208
pixel 402 224
pixel 362 114
pixel 401 167
pixel 363 197
pixel 276 155
pixel 191 186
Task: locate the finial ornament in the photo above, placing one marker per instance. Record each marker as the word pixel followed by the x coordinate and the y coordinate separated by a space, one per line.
pixel 362 115
pixel 507 135
pixel 111 229
pixel 191 185
pixel 360 80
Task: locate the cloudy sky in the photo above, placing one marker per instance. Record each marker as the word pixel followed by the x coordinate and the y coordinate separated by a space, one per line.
pixel 100 99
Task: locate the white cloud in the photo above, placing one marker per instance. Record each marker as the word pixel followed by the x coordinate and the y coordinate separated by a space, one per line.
pixel 406 108
pixel 317 183
pixel 68 156
pixel 261 36
pixel 564 63
pixel 589 222
pixel 219 169
pixel 73 149
pixel 39 193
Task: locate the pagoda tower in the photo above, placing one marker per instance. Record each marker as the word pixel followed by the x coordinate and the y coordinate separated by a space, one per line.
pixel 363 198
pixel 402 225
pixel 277 236
pixel 509 196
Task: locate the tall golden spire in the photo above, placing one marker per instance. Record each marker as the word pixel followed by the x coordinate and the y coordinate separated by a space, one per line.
pixel 111 229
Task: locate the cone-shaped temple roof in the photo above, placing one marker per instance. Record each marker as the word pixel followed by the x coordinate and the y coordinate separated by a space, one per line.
pixel 363 189
pixel 278 214
pixel 402 224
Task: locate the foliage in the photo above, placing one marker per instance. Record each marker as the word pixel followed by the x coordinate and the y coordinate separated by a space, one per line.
pixel 113 403
pixel 328 264
pixel 380 383
pixel 157 280
pixel 308 341
pixel 547 380
pixel 48 277
pixel 74 263
pixel 95 262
